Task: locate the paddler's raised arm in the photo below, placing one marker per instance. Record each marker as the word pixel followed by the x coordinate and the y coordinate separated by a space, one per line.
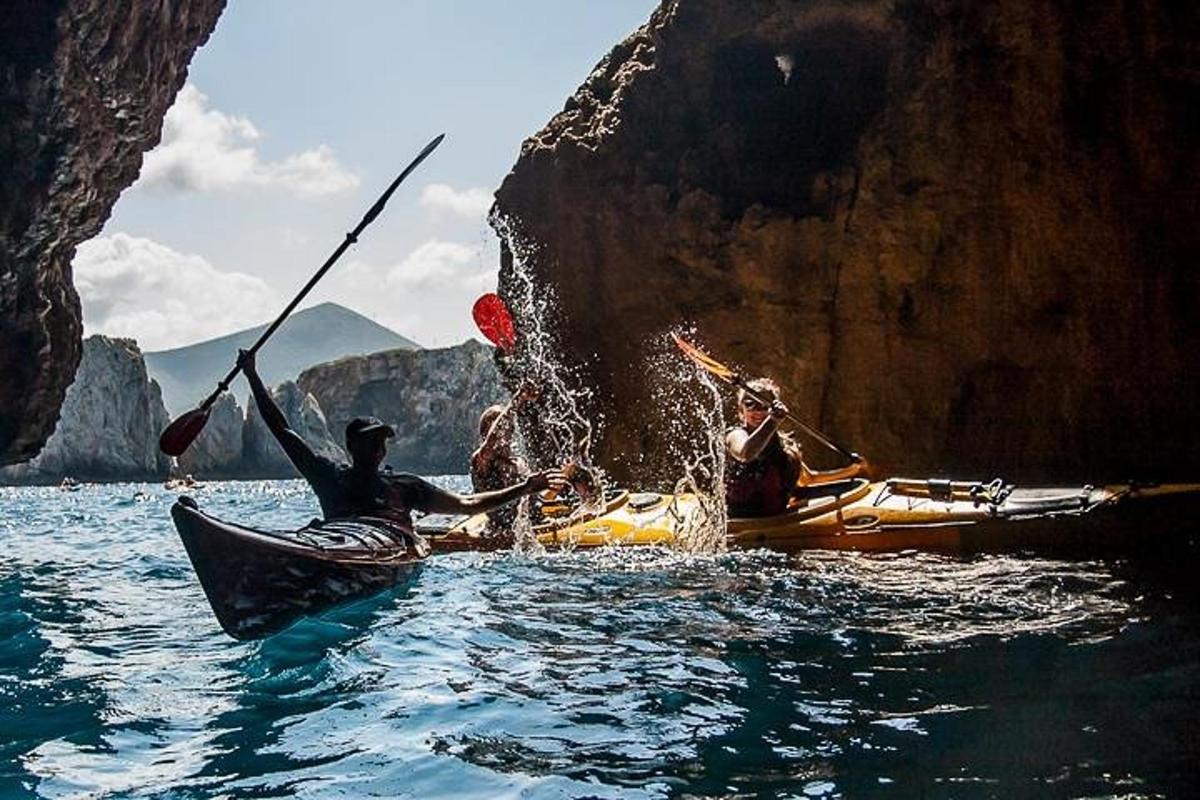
pixel 502 427
pixel 749 446
pixel 272 416
pixel 298 451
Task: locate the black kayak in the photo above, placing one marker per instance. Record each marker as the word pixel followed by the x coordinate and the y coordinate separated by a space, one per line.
pixel 259 582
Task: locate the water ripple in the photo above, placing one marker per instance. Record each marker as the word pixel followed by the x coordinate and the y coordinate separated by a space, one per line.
pixel 618 673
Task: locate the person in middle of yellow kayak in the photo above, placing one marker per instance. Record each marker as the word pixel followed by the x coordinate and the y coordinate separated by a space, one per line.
pixel 762 465
pixel 494 465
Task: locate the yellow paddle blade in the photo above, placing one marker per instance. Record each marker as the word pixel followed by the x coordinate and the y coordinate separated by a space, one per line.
pixel 705 361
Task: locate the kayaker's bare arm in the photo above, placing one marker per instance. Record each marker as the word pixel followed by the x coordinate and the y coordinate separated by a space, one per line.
pixel 443 502
pixel 749 446
pixel 296 448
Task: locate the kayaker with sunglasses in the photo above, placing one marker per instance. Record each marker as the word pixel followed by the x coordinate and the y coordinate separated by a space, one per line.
pixel 762 464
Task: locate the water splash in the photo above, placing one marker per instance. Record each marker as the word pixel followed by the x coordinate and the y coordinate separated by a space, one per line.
pixel 697 442
pixel 565 432
pixel 696 428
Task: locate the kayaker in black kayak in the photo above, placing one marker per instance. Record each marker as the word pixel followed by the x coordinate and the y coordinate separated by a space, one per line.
pixel 763 464
pixel 360 488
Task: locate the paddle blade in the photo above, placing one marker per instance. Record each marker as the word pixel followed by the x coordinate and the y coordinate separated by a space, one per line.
pixel 705 361
pixel 495 321
pixel 180 434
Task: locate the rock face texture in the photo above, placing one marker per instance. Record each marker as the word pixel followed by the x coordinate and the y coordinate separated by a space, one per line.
pixel 262 457
pixel 217 451
pixel 110 422
pixel 113 415
pixel 432 398
pixel 961 235
pixel 84 85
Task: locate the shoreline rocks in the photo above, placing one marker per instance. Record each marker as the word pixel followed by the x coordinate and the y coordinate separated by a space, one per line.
pixel 433 398
pixel 109 427
pixel 114 414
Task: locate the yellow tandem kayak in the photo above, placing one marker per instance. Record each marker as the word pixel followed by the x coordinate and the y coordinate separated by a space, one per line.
pixel 856 514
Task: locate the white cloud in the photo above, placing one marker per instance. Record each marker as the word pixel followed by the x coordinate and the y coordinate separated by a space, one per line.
pixel 442 199
pixel 311 173
pixel 163 298
pixel 440 264
pixel 204 150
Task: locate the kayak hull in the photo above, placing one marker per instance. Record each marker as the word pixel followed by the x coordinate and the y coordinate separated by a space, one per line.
pixel 898 514
pixel 259 582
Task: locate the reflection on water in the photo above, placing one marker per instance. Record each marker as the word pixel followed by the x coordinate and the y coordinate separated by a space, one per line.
pixel 619 673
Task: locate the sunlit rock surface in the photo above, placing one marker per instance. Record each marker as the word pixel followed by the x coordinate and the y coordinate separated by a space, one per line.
pixel 217 451
pixel 263 457
pixel 84 85
pixel 963 236
pixel 432 398
pixel 111 419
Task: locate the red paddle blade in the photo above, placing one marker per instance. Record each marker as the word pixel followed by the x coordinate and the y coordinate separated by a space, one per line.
pixel 180 434
pixel 704 361
pixel 495 321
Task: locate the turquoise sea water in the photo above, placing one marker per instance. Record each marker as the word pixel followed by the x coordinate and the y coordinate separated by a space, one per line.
pixel 614 674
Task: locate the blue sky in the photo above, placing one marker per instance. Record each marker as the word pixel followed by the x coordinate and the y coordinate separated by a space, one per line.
pixel 296 115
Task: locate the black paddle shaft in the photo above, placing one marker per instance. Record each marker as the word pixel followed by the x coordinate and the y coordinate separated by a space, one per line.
pixel 350 239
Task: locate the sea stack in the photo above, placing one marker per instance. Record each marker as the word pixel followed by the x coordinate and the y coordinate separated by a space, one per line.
pixel 962 236
pixel 110 422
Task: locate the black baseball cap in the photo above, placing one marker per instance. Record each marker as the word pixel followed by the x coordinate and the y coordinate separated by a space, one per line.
pixel 359 427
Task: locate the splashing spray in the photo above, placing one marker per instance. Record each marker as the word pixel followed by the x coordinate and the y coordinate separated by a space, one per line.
pixel 565 432
pixel 697 436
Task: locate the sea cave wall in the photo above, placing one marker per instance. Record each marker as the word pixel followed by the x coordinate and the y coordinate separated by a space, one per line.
pixel 84 85
pixel 962 236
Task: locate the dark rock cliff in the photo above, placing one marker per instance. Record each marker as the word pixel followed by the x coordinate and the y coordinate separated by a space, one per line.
pixel 84 85
pixel 961 235
pixel 111 419
pixel 432 398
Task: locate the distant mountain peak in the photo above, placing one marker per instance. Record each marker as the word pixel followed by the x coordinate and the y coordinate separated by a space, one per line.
pixel 320 333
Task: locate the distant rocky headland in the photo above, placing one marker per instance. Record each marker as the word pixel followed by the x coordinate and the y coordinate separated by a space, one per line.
pixel 114 413
pixel 325 332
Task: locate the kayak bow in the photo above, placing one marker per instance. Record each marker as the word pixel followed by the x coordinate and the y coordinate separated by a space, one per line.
pixel 259 582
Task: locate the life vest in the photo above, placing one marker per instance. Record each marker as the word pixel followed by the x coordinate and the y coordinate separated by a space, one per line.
pixel 762 487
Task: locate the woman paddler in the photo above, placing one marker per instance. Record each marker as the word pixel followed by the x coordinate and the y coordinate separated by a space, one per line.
pixel 494 464
pixel 763 464
pixel 360 488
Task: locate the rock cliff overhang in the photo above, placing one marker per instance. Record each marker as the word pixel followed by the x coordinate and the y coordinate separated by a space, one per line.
pixel 84 85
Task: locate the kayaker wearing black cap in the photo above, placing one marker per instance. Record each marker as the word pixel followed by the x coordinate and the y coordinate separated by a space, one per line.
pixel 763 464
pixel 359 488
